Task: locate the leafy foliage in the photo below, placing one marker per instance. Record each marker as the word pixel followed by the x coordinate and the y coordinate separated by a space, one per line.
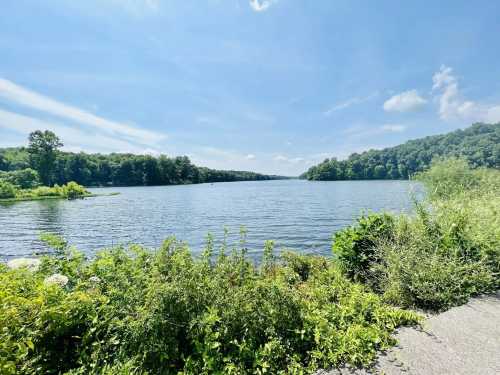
pixel 42 150
pixel 446 253
pixel 23 178
pixel 478 144
pixel 7 190
pixel 165 312
pixel 113 169
pixel 355 247
pixel 70 191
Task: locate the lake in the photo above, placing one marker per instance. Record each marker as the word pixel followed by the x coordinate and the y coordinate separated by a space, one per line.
pixel 296 214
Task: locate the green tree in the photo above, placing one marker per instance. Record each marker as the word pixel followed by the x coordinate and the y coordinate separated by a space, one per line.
pixel 42 150
pixel 479 145
pixel 23 178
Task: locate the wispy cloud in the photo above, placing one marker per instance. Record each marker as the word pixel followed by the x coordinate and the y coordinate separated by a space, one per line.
pixel 286 159
pixel 261 5
pixel 405 102
pixel 75 139
pixel 363 131
pixel 452 104
pixel 13 93
pixel 393 128
pixel 349 102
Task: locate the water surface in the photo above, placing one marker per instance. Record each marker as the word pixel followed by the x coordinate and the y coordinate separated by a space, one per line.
pixel 296 214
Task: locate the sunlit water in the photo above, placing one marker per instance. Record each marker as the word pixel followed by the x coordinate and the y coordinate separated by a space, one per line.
pixel 295 214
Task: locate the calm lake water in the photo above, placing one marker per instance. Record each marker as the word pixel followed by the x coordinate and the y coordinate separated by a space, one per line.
pixel 296 214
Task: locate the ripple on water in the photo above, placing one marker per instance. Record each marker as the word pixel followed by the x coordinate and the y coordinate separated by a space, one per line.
pixel 296 214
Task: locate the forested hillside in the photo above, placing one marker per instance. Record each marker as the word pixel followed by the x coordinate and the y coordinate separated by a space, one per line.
pixel 479 144
pixel 123 169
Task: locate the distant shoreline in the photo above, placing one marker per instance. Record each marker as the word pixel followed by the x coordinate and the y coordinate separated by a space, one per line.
pixel 26 199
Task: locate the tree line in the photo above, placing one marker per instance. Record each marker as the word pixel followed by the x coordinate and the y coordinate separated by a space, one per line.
pixel 479 144
pixel 43 161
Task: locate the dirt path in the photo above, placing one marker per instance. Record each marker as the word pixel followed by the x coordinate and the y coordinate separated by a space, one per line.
pixel 462 340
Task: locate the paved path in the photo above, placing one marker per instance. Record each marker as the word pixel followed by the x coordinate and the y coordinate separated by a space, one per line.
pixel 463 340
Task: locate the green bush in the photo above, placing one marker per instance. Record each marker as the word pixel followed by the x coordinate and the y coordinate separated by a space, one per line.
pixel 441 256
pixel 23 178
pixel 429 265
pixel 165 312
pixel 45 191
pixel 355 247
pixel 449 177
pixel 72 190
pixel 7 190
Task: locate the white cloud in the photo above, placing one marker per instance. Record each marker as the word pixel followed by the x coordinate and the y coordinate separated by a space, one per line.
pixel 493 114
pixel 405 102
pixel 286 159
pixel 348 103
pixel 75 139
pixel 250 156
pixel 261 5
pixel 453 106
pixel 342 105
pixel 364 131
pixel 27 98
pixel 394 128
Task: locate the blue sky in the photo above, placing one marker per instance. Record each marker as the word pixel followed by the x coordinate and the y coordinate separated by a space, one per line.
pixel 272 86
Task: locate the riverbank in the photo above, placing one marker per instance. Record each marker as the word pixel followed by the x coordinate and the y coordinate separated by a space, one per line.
pixel 13 193
pixel 35 198
pixel 164 311
pixel 461 341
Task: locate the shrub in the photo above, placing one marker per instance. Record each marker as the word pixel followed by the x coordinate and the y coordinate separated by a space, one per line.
pixel 165 312
pixel 449 177
pixel 45 191
pixel 441 256
pixel 7 190
pixel 428 265
pixel 72 190
pixel 355 247
pixel 23 178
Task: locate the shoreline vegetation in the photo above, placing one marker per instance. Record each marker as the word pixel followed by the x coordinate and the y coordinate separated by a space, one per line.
pixel 43 163
pixel 136 311
pixel 479 144
pixel 42 198
pixel 13 193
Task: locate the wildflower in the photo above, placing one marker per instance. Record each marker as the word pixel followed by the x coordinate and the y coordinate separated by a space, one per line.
pixel 31 264
pixel 56 279
pixel 95 280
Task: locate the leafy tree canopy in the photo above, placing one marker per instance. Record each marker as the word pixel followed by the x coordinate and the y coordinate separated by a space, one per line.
pixel 479 145
pixel 42 150
pixel 114 169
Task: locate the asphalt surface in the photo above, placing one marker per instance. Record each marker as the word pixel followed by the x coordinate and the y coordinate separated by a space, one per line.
pixel 462 340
